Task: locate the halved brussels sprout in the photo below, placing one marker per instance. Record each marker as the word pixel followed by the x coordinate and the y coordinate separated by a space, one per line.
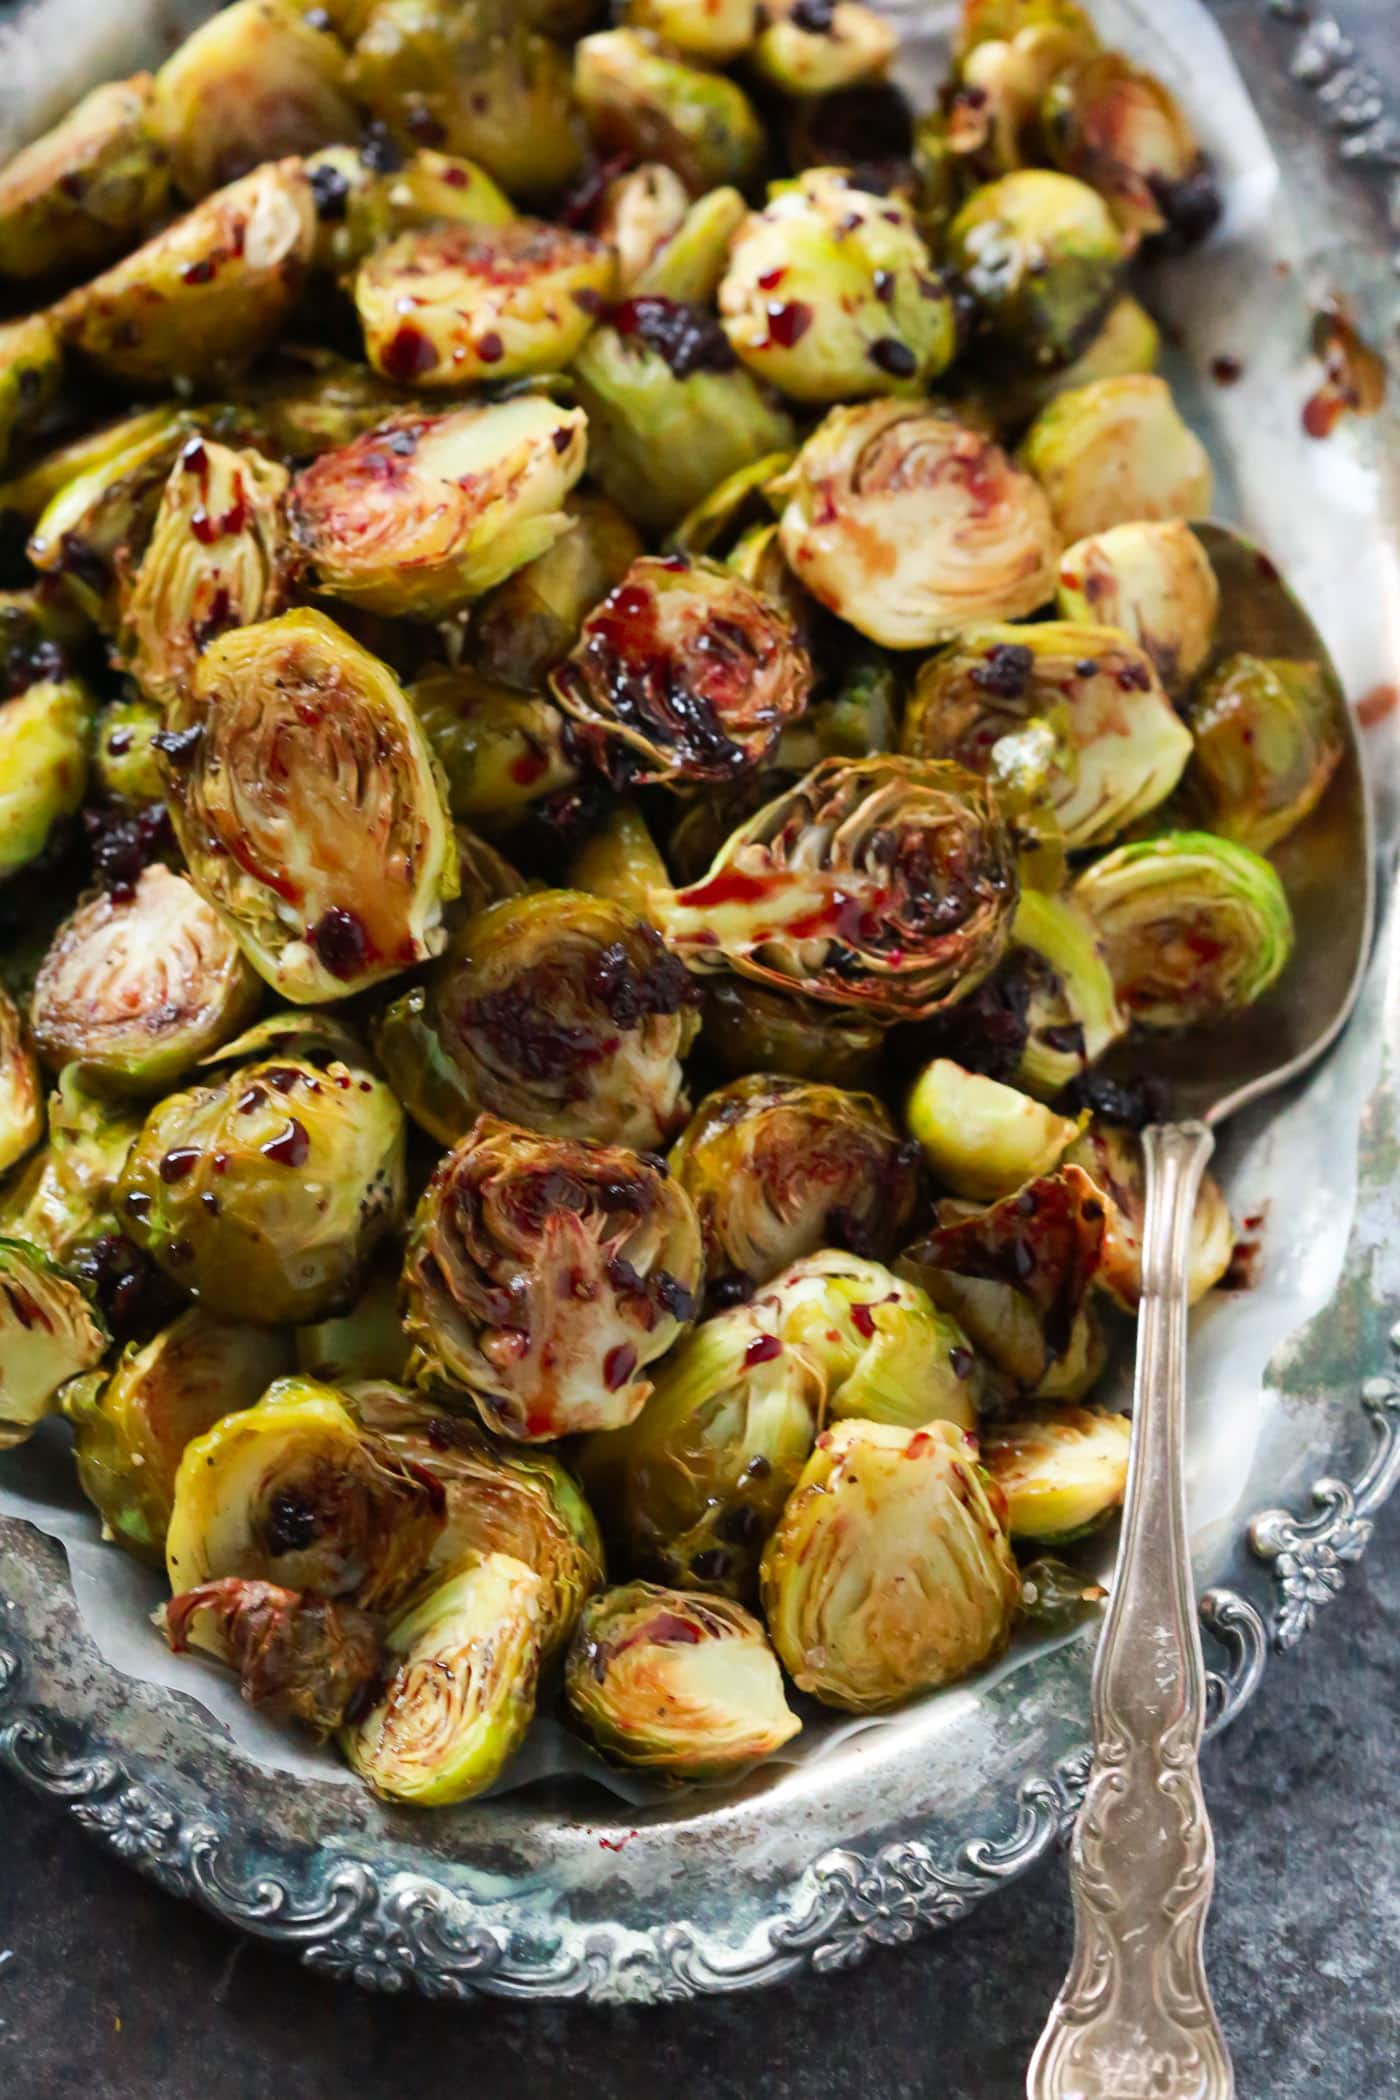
pixel 427 511
pixel 44 734
pixel 993 114
pixel 299 1658
pixel 1121 129
pixel 366 1342
pixel 303 400
pixel 86 189
pixel 688 264
pixel 258 80
pixel 908 524
pixel 981 20
pixel 522 628
pixel 305 801
pixel 93 528
pixel 1112 1158
pixel 831 293
pixel 1072 1011
pixel 1117 746
pixel 640 212
pixel 678 1684
pixel 558 1011
pixel 203 296
pixel 621 860
pixel 1267 742
pixel 670 410
pixel 1063 1470
pixel 777 1169
pixel 295 1491
pixel 750 1027
pixel 889 1572
pixel 683 673
pixel 125 761
pixel 139 988
pixel 265 1194
pixel 1042 257
pixel 361 202
pixel 1154 582
pixel 981 1138
pixel 543 1275
pixel 885 1351
pixel 641 102
pixel 464 1662
pixel 30 368
pixel 1193 927
pixel 48 1334
pixel 813 47
pixel 884 885
pixel 28 494
pixel 63 1196
pixel 712 30
pixel 21 1103
pixel 1126 341
pixel 1117 452
pixel 499 750
pixel 130 1428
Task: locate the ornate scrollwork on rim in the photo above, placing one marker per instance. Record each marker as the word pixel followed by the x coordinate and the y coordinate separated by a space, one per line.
pixel 1352 98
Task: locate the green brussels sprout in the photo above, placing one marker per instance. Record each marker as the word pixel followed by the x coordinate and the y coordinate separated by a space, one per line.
pixel 558 1011
pixel 93 529
pixel 257 81
pixel 621 860
pixel 86 189
pixel 1112 1158
pixel 1193 927
pixel 527 624
pixel 981 1138
pixel 304 797
pixel 889 1572
pixel 451 306
pixel 1117 748
pixel 48 1334
pixel 21 1103
pixel 1267 742
pixel 670 410
pixel 882 885
pixel 294 1489
pixel 29 494
pixel 886 1352
pixel 125 761
pixel 44 734
pixel 499 750
pixel 911 526
pixel 981 20
pixel 1152 581
pixel 42 628
pixel 1011 394
pixel 31 360
pixel 641 211
pixel 777 1168
pixel 993 114
pixel 711 30
pixel 425 512
pixel 299 1658
pixel 753 1028
pixel 366 1342
pixel 218 557
pixel 831 293
pixel 207 293
pixel 1041 255
pixel 639 101
pixel 807 50
pixel 1116 452
pixel 683 673
pixel 137 988
pixel 676 1684
pixel 304 401
pixel 1120 128
pixel 688 264
pixel 304 1159
pixel 1063 1470
pixel 63 1196
pixel 543 1275
pixel 464 1662
pixel 131 1426
pixel 1072 1011
pixel 361 205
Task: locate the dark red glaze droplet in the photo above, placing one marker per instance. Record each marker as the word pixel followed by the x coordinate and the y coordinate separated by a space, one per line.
pixel 788 324
pixel 291 1148
pixel 1226 371
pixel 863 1320
pixel 618 1366
pixel 175 1165
pixel 341 942
pixel 490 349
pixel 762 1350
pixel 408 354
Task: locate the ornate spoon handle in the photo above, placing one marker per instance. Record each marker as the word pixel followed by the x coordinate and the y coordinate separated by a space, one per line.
pixel 1134 2020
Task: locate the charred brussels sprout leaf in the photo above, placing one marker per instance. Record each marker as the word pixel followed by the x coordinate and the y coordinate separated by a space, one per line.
pixel 711 30
pixel 683 673
pixel 522 628
pixel 890 1572
pixel 1152 581
pixel 544 1275
pixel 500 750
pixel 981 1138
pixel 304 797
pixel 677 1684
pixel 910 526
pixel 1267 742
pixel 86 189
pixel 426 512
pixel 48 1334
pixel 1072 1011
pixel 806 49
pixel 30 368
pixel 367 1342
pixel 1112 1158
pixel 641 102
pixel 125 761
pixel 1041 256
pixel 21 1105
pixel 750 1027
pixel 558 1011
pixel 1121 129
pixel 299 1658
pixel 1117 452
pixel 43 766
pixel 1062 1470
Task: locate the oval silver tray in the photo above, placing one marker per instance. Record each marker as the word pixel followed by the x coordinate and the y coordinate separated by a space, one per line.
pixel 557 1891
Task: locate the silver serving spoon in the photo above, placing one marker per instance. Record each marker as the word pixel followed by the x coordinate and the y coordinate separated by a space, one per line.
pixel 1134 2019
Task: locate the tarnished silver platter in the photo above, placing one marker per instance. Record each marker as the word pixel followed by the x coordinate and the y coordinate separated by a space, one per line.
pixel 560 1889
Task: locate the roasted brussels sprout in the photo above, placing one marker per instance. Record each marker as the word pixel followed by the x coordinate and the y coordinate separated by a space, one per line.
pixel 21 1104
pixel 42 630
pixel 641 102
pixel 302 1156
pixel 777 1169
pixel 678 1684
pixel 621 860
pixel 683 673
pixel 1155 583
pixel 981 20
pixel 203 296
pixel 301 401
pixel 426 512
pixel 1063 1470
pixel 543 1275
pixel 464 1661
pixel 670 410
pixel 1193 927
pixel 1041 256
pixel 1072 1011
pixel 668 247
pixel 86 189
pixel 886 1352
pixel 807 49
pixel 1010 394
pixel 908 524
pixel 28 495
pixel 361 203
pixel 1117 452
pixel 640 212
pixel 752 1028
pixel 1112 1158
pixel 1121 129
pixel 305 801
pixel 130 1427
pixel 712 30
pixel 44 734
pixel 367 1342
pixel 499 750
pixel 299 1658
pixel 557 1011
pixel 30 368
pixel 125 761
pixel 93 529
pixel 522 628
pixel 1117 748
pixel 63 1196
pixel 992 116
pixel 882 885
pixel 1267 742
pixel 889 1572
pixel 48 1334
pixel 979 1137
